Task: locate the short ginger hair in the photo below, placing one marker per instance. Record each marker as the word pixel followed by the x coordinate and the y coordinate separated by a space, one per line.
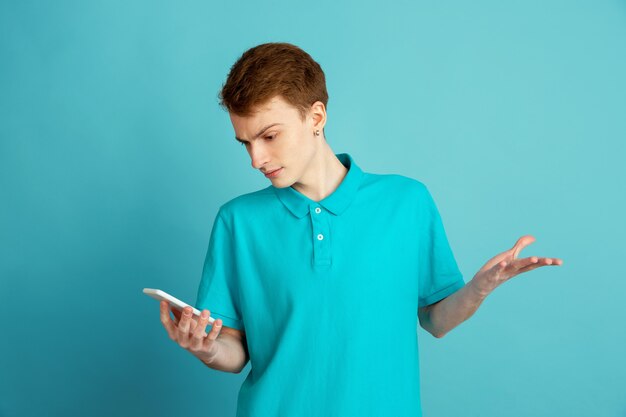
pixel 271 69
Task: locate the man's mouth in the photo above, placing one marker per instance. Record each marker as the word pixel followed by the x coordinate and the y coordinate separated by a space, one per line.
pixel 273 173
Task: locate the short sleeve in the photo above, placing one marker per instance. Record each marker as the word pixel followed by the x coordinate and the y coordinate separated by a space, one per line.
pixel 217 291
pixel 439 275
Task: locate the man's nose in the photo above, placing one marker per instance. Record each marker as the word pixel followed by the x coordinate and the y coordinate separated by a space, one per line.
pixel 258 155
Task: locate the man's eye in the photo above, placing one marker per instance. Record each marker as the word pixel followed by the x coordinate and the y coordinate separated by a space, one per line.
pixel 270 137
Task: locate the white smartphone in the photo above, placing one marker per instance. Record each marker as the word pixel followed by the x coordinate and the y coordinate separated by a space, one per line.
pixel 172 301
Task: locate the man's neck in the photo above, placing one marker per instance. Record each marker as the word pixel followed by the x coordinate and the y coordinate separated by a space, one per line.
pixel 323 177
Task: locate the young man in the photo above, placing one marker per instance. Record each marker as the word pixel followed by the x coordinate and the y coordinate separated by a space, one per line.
pixel 320 279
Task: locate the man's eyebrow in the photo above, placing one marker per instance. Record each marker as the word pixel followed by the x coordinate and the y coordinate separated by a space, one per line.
pixel 260 131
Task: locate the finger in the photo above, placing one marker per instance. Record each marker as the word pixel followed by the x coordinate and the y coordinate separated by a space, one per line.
pixel 521 243
pixel 519 264
pixel 215 331
pixel 183 327
pixel 510 254
pixel 193 323
pixel 176 313
pixel 167 320
pixel 530 268
pixel 555 261
pixel 551 261
pixel 199 333
pixel 542 262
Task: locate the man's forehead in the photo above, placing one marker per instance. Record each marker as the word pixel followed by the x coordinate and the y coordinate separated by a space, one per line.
pixel 250 125
pixel 273 112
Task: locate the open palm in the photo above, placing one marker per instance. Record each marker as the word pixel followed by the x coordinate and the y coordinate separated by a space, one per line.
pixel 506 265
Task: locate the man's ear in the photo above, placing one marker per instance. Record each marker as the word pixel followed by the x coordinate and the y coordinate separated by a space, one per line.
pixel 318 114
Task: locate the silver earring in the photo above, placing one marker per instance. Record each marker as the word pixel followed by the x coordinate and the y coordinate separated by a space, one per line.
pixel 317 133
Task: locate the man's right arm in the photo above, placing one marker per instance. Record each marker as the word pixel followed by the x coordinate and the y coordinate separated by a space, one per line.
pixel 232 356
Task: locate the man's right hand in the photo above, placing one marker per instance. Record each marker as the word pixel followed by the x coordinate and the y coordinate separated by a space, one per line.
pixel 190 333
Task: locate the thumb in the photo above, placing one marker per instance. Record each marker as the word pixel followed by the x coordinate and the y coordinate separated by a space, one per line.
pixel 521 243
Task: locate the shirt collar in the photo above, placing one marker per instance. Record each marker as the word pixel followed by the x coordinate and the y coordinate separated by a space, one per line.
pixel 337 202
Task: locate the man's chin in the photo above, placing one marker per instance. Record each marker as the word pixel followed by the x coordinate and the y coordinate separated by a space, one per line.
pixel 281 184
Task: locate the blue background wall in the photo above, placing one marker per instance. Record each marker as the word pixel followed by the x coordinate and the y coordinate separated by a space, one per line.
pixel 114 157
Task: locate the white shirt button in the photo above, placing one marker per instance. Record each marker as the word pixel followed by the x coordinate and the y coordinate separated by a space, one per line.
pixel 320 236
pixel 318 210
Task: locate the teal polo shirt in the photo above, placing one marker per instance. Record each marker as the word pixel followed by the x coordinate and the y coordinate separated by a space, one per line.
pixel 327 293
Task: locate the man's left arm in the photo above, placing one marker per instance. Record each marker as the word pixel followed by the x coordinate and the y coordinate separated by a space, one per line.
pixel 441 317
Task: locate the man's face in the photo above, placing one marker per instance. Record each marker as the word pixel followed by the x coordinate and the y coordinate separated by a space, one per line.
pixel 287 145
